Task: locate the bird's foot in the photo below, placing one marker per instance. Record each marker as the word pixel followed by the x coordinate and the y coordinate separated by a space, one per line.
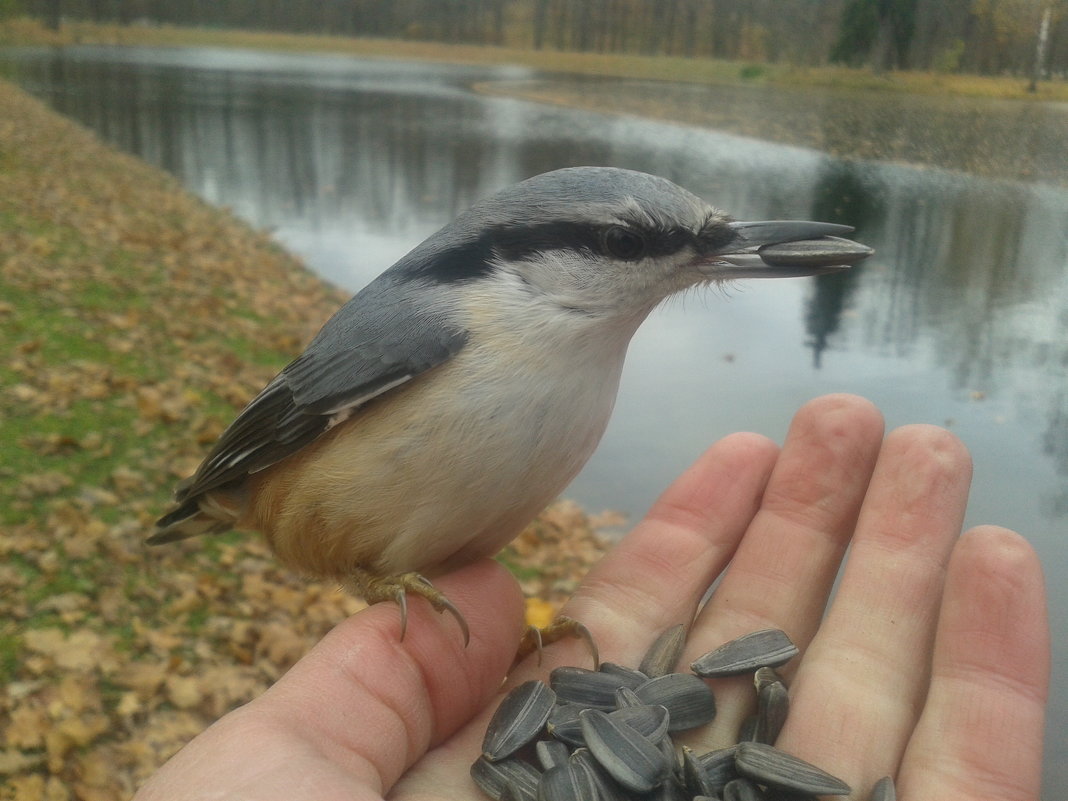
pixel 375 589
pixel 535 639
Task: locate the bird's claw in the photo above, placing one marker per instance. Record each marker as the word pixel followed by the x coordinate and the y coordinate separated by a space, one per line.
pixel 375 589
pixel 401 599
pixel 535 639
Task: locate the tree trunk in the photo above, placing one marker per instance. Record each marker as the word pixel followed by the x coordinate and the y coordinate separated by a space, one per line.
pixel 882 49
pixel 1040 51
pixel 53 14
pixel 541 19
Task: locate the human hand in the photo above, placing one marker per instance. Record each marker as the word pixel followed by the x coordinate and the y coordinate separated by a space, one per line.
pixel 931 663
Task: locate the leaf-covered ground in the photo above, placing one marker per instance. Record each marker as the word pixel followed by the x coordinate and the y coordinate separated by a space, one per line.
pixel 134 322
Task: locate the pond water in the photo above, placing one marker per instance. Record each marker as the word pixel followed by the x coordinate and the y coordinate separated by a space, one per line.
pixel 961 318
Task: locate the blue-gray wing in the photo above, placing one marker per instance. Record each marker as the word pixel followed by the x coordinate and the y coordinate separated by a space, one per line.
pixel 375 343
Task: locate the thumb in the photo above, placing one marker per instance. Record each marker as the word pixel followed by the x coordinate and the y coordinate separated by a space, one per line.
pixel 362 706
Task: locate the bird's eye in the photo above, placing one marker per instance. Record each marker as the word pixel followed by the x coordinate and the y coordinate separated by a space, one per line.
pixel 623 243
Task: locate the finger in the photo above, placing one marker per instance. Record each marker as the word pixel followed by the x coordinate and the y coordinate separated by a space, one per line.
pixel 656 576
pixel 980 735
pixel 783 572
pixel 857 694
pixel 653 579
pixel 421 689
pixel 362 703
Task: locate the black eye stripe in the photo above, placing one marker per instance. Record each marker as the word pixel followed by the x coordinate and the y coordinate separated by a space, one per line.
pixel 624 243
pixel 517 242
pixel 475 258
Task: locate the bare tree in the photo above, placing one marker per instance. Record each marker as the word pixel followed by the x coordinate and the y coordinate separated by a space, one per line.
pixel 1040 50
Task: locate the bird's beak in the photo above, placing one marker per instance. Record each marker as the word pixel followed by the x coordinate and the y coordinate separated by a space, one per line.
pixel 785 249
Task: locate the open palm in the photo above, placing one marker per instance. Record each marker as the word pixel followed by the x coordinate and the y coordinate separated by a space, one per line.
pixel 930 664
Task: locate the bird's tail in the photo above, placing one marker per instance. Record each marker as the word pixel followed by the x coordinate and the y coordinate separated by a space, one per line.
pixel 191 519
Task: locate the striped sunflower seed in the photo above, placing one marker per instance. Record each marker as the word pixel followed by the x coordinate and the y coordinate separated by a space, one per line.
pixel 765 676
pixel 765 648
pixel 551 753
pixel 651 722
pixel 566 783
pixel 773 705
pixel 606 788
pixel 768 765
pixel 590 688
pixel 826 250
pixel 688 699
pixel 629 758
pixel 631 677
pixel 719 767
pixel 507 775
pixel 664 653
pixel 742 790
pixel 694 775
pixel 564 725
pixel 884 790
pixel 519 719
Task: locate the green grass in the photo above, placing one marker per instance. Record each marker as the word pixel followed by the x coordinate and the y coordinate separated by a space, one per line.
pixel 10 650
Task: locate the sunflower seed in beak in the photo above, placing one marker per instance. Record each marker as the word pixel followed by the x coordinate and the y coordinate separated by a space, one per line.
pixel 823 252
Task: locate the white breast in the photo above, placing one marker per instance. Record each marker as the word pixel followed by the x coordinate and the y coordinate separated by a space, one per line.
pixel 528 398
pixel 452 465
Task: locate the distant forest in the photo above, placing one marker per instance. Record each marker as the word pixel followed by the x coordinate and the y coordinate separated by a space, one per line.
pixel 976 36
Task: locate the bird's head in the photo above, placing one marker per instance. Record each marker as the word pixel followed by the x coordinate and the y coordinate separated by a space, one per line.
pixel 611 242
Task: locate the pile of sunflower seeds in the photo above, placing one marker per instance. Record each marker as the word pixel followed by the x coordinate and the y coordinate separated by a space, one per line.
pixel 605 734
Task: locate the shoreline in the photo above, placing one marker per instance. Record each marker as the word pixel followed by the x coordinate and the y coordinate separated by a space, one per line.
pixel 845 125
pixel 673 69
pixel 912 119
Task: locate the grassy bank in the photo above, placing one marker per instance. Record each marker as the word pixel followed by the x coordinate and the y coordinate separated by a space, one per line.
pixel 700 71
pixel 136 320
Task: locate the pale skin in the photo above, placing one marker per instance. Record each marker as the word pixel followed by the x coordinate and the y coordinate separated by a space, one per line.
pixel 931 664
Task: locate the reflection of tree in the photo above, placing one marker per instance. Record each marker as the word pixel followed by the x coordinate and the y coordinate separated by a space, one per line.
pixel 825 309
pixel 970 274
pixel 843 193
pixel 277 150
pixel 1055 443
pixel 977 279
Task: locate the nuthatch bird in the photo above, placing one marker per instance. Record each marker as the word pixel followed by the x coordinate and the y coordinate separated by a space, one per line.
pixel 452 399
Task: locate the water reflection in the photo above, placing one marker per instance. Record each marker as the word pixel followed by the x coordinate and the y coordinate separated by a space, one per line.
pixel 961 318
pixel 351 162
